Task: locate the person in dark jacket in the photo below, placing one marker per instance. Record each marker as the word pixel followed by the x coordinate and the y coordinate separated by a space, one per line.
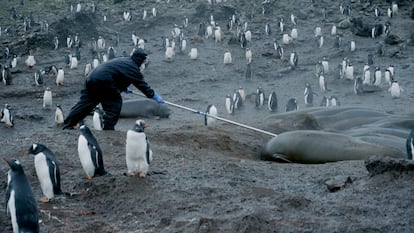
pixel 105 84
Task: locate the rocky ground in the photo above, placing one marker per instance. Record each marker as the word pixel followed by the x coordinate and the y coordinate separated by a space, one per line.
pixel 209 179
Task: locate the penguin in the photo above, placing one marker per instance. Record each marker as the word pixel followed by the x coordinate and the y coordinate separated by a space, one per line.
pixel 47 171
pixel 73 62
pixel 211 111
pixel 6 75
pixel 59 116
pixel 95 62
pixel 138 150
pixel 377 12
pixel 30 61
pixel 358 86
pixel 395 90
pixel 248 74
pixel 38 77
pixel 7 116
pixel 394 8
pixel 377 77
pixel 293 19
pixel 141 43
pixel 217 34
pixel 90 153
pixel 319 69
pixel 248 35
pixel 294 33
pixel 229 105
pixel 349 71
pixel 56 42
pixel 260 97
pixel 87 70
pixel 183 45
pixel 193 54
pixel 60 77
pixel 410 145
pixel 272 102
pixel 333 101
pixel 367 75
pixel 268 29
pixel 242 94
pixel 388 76
pixel 322 83
pixel 13 62
pixel 308 95
pixel 144 15
pixel 101 43
pixel 317 31
pixel 47 98
pixel 227 60
pixel 324 102
pixel 333 30
pixel 338 42
pixel 352 46
pixel 293 60
pixel 169 53
pixel 69 41
pixel 291 105
pixel 111 53
pixel 325 65
pixel 320 41
pixel 20 201
pixel 248 55
pixel 286 39
pixel 97 118
pixel 370 59
pixel 279 49
pixel 281 25
pixel 134 38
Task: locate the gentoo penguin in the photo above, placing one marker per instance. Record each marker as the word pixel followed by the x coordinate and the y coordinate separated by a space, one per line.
pixel 38 77
pixel 237 100
pixel 291 105
pixel 90 153
pixel 248 35
pixel 319 69
pixel 97 118
pixel 13 62
pixel 7 116
pixel 358 86
pixel 349 71
pixel 47 98
pixel 286 39
pixel 154 12
pixel 95 62
pixel 6 75
pixel 352 46
pixel 333 101
pixel 193 54
pixel 377 77
pixel 279 49
pixel 242 94
pixel 324 102
pixel 293 19
pixel 260 97
pixel 281 25
pixel 20 201
pixel 227 60
pixel 169 53
pixel 101 43
pixel 47 170
pixel 87 70
pixel 338 41
pixel 333 30
pixel 410 145
pixel 134 38
pixel 394 8
pixel 59 116
pixel 317 31
pixel 249 55
pixel 211 111
pixel 229 105
pixel 111 53
pixel 322 83
pixel 141 43
pixel 144 15
pixel 267 29
pixel 272 102
pixel 73 62
pixel 138 150
pixel 308 95
pixel 388 77
pixel 293 60
pixel 294 33
pixel 30 61
pixel 325 65
pixel 367 75
pixel 395 90
pixel 320 41
pixel 60 77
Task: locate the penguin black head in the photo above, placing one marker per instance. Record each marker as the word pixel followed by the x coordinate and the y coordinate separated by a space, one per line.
pixel 35 149
pixel 139 56
pixel 140 126
pixel 14 164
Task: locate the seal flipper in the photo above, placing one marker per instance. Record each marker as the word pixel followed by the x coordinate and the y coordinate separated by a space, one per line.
pixel 280 158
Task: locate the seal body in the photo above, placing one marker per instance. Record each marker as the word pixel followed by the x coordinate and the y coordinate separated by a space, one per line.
pixel 143 108
pixel 311 146
pixel 90 153
pixel 47 170
pixel 138 151
pixel 20 201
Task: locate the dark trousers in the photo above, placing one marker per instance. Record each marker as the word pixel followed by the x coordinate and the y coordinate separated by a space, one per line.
pixel 91 95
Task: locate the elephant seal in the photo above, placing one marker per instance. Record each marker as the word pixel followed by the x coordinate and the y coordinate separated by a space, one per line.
pixel 311 146
pixel 143 108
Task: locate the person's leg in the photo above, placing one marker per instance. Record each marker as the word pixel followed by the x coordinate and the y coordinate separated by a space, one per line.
pixel 78 112
pixel 111 106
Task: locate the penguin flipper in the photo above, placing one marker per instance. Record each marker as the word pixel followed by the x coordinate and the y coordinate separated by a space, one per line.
pixel 97 159
pixel 54 173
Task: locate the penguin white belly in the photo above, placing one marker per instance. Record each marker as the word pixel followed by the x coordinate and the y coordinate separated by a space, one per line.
pixel 85 156
pixel 136 147
pixel 42 171
pixel 11 206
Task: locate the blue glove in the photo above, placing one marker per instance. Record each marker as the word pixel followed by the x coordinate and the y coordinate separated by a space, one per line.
pixel 127 91
pixel 158 98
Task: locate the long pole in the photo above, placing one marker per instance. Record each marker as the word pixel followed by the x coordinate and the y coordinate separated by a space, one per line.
pixel 212 116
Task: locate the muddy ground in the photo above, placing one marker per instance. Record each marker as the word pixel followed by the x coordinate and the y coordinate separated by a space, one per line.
pixel 209 179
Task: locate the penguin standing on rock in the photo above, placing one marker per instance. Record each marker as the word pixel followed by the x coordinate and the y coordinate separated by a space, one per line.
pixel 47 171
pixel 20 201
pixel 138 150
pixel 90 153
